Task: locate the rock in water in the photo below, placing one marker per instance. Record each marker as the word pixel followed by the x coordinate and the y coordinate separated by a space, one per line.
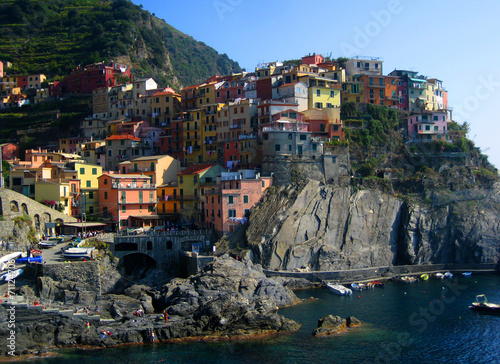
pixel 330 325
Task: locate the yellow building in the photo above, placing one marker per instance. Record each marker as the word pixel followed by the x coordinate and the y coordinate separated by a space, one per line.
pixel 323 92
pixel 353 89
pixel 160 168
pixel 189 191
pixel 165 106
pixel 168 204
pixel 56 193
pixel 87 199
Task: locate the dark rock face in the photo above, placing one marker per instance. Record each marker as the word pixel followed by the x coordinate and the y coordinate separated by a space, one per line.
pixel 330 325
pixel 229 298
pixel 323 227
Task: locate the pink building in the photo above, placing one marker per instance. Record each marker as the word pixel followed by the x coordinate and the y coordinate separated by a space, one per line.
pixel 229 205
pixel 128 200
pixel 428 126
pixel 10 151
pixel 1 69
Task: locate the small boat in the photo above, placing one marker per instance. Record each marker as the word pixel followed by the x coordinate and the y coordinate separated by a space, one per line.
pixel 24 260
pixel 357 286
pixel 339 289
pixel 439 275
pixel 57 240
pixel 448 275
pixel 74 253
pixel 35 252
pixel 7 258
pixel 467 274
pixel 377 284
pixel 424 277
pixel 13 274
pixel 482 305
pixel 408 279
pixel 45 244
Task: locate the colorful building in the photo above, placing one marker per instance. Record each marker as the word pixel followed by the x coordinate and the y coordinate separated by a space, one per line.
pixel 428 126
pixel 229 205
pixel 323 92
pixel 84 80
pixel 86 200
pixel 160 169
pixel 381 90
pixel 128 200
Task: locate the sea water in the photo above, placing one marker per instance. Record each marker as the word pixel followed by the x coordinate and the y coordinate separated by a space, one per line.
pixel 423 322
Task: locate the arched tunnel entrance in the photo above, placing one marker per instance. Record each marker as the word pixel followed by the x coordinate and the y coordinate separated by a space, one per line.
pixel 136 265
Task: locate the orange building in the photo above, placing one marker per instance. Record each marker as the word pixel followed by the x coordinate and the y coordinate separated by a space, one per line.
pixel 128 200
pixel 381 90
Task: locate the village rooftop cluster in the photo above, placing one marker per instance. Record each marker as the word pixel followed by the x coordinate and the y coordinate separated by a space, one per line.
pixel 151 156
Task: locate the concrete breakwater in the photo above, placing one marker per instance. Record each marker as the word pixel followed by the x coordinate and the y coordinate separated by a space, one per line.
pixel 366 274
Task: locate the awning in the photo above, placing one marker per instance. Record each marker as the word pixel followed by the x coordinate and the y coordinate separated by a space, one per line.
pixel 148 217
pixel 83 224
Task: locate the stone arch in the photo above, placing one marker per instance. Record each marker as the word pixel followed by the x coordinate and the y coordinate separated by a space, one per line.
pixel 46 217
pixel 14 206
pixel 36 220
pixel 24 208
pixel 137 263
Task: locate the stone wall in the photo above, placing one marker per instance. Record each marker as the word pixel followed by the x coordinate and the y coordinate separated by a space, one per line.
pixel 13 204
pixel 85 273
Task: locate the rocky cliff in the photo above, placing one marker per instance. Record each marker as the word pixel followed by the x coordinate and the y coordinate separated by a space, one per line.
pixel 324 227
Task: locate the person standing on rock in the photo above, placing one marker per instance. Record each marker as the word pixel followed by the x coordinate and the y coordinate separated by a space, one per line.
pixel 165 316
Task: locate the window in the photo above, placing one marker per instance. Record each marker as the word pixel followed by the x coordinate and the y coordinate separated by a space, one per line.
pixel 110 153
pixel 105 181
pixel 318 92
pixel 314 147
pixel 181 179
pixel 332 93
pixel 151 196
pixel 245 199
pixel 277 147
pixel 231 199
pixel 303 136
pixel 124 208
pixel 140 196
pixel 89 184
pixel 232 213
pixel 91 195
pixel 318 105
pixel 94 170
pixel 105 195
pixel 82 170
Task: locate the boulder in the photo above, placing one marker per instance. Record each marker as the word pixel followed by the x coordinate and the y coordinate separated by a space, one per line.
pixel 330 325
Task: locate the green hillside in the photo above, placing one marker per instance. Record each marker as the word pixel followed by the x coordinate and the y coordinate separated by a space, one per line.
pixel 55 36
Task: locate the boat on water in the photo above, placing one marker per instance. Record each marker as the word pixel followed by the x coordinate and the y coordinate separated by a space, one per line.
pixel 377 284
pixel 466 274
pixel 358 286
pixel 424 277
pixel 57 240
pixel 448 275
pixel 13 274
pixel 408 279
pixel 439 275
pixel 74 253
pixel 339 289
pixel 483 305
pixel 7 258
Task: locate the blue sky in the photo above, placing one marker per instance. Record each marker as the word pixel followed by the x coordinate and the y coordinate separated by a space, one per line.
pixel 455 41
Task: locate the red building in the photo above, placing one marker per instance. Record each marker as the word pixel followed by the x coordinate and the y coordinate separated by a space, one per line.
pixel 85 79
pixel 313 59
pixel 264 88
pixel 10 151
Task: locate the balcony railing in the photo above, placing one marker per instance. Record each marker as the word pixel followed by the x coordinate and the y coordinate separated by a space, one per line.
pixel 133 186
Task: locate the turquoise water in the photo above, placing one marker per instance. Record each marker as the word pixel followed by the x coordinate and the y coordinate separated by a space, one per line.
pixel 424 322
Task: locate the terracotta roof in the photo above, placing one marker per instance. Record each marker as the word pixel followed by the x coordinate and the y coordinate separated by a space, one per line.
pixel 196 168
pixel 122 137
pixel 288 84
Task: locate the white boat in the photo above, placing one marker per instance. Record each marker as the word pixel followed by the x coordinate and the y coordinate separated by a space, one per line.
pixel 7 258
pixel 448 275
pixel 47 244
pixel 13 274
pixel 78 253
pixel 358 286
pixel 439 275
pixel 339 289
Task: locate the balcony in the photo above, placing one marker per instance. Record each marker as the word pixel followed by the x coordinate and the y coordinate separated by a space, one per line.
pixel 132 186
